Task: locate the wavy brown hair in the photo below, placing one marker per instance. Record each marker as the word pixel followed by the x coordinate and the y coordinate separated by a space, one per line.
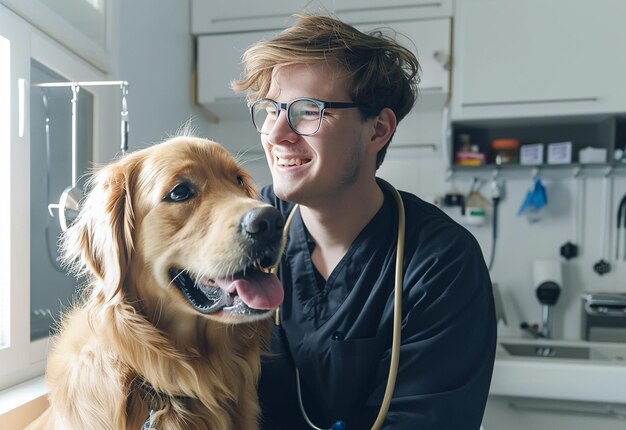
pixel 381 72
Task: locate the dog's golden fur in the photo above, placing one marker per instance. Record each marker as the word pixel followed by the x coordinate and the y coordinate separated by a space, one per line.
pixel 134 342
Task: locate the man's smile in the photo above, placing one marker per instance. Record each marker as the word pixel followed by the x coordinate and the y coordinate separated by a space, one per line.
pixel 285 162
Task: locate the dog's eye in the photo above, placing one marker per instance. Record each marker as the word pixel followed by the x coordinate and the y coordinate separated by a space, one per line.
pixel 180 193
pixel 240 181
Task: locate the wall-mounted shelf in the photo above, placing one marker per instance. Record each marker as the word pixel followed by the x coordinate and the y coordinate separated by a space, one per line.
pixel 568 171
pixel 605 132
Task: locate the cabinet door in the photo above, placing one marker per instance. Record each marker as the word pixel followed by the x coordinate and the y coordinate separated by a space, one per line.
pixel 430 41
pixel 535 58
pixel 231 17
pixel 219 62
pixel 366 11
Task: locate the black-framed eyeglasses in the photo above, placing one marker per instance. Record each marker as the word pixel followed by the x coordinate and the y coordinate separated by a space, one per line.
pixel 304 115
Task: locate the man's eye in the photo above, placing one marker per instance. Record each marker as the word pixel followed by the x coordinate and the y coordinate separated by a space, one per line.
pixel 180 193
pixel 310 115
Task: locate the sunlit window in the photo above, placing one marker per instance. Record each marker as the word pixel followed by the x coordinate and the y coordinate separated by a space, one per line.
pixel 5 177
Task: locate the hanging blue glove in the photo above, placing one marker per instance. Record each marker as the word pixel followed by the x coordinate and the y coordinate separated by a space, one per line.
pixel 535 199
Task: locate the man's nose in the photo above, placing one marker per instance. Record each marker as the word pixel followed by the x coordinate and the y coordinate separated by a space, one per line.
pixel 282 132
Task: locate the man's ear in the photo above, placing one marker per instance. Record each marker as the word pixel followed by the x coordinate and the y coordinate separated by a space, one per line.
pixel 384 126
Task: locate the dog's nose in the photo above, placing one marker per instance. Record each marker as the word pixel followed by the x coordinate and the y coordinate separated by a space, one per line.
pixel 264 223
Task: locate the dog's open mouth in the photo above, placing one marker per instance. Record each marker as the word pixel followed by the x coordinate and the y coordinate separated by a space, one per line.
pixel 248 292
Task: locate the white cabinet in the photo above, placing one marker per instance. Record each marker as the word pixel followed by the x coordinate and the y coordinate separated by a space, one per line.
pixel 538 58
pixel 219 55
pixel 232 17
pixel 219 62
pixel 429 40
pixel 366 11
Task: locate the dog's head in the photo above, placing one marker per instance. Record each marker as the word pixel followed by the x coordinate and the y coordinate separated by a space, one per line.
pixel 178 225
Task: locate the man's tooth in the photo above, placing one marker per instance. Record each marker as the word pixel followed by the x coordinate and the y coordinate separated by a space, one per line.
pixel 289 161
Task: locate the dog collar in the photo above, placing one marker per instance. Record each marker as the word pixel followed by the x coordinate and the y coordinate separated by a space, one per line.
pixel 155 400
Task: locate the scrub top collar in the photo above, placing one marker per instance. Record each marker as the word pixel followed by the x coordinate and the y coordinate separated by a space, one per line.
pixel 319 304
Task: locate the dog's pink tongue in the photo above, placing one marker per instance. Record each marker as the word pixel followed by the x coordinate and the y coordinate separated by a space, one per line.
pixel 258 290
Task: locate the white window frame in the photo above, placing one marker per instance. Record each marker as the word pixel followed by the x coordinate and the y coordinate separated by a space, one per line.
pixel 23 359
pixel 61 28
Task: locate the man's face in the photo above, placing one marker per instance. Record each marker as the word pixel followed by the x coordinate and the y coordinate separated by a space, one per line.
pixel 315 169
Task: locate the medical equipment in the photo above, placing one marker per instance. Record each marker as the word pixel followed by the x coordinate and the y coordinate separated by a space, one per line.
pixel 621 223
pixel 569 249
pixel 69 203
pixel 397 316
pixel 603 267
pixel 124 121
pixel 497 190
pixel 604 317
pixel 52 259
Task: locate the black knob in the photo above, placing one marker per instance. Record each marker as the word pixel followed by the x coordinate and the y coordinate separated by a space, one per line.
pixel 569 251
pixel 602 267
pixel 548 293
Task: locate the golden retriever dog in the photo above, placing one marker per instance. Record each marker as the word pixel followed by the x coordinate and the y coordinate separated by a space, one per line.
pixel 171 324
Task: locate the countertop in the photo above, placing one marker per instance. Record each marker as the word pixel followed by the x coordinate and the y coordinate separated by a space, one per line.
pixel 600 378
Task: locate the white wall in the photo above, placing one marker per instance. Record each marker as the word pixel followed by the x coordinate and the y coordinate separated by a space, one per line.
pixel 156 55
pixel 156 58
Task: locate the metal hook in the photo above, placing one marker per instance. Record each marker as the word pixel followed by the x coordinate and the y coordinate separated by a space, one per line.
pixel 495 174
pixel 74 101
pixel 124 119
pixel 536 172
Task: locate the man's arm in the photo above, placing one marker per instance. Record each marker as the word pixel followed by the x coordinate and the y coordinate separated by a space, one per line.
pixel 448 340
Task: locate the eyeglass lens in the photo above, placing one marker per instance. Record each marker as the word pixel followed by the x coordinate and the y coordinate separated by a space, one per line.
pixel 304 116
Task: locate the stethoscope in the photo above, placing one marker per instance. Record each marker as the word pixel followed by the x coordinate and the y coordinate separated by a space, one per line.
pixel 397 317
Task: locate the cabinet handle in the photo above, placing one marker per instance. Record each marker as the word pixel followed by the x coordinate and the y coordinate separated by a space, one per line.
pixel 529 102
pixel 379 8
pixel 247 18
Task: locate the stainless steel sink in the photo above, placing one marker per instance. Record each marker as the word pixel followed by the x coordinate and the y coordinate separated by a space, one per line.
pixel 552 351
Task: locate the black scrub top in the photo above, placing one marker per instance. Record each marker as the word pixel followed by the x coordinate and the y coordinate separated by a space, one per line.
pixel 338 332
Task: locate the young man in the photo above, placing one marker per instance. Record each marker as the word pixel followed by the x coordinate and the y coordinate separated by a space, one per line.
pixel 326 100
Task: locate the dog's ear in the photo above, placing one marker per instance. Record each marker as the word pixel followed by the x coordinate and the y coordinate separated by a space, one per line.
pixel 100 241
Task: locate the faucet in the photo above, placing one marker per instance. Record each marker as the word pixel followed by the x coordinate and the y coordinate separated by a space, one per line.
pixel 548 293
